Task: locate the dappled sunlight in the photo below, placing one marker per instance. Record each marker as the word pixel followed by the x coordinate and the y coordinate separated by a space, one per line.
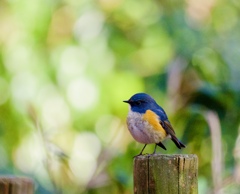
pixel 67 66
pixel 83 159
pixel 200 11
pixel 89 25
pixel 24 87
pixel 29 156
pixel 106 128
pixel 82 94
pixel 73 63
pixel 112 133
pixel 55 112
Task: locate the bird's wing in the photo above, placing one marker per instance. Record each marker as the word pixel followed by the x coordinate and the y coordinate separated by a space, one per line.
pixel 168 127
pixel 169 130
pixel 153 119
pixel 163 120
pixel 158 116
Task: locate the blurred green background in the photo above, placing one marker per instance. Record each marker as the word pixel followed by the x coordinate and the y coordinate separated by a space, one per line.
pixel 66 66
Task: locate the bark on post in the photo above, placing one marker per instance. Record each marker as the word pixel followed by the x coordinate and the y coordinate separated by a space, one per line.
pixel 166 174
pixel 16 185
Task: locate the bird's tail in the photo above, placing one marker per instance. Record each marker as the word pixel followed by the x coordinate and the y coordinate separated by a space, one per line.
pixel 178 143
pixel 161 145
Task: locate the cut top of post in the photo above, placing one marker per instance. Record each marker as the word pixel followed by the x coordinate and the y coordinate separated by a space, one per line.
pixel 16 185
pixel 166 174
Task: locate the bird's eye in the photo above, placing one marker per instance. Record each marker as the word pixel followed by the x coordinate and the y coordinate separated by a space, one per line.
pixel 139 102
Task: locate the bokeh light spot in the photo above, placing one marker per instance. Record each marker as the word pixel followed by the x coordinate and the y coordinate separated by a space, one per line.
pixel 24 88
pixel 83 161
pixel 73 62
pixel 82 94
pixel 89 25
pixel 29 155
pixel 55 112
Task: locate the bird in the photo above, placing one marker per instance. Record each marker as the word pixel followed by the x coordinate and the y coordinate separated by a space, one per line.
pixel 148 123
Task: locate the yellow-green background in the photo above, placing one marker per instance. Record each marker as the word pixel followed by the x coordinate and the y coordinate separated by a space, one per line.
pixel 66 66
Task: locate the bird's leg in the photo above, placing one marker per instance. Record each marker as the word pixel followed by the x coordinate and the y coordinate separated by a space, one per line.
pixel 155 149
pixel 142 150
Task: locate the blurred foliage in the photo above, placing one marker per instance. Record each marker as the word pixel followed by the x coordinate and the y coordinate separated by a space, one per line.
pixel 66 67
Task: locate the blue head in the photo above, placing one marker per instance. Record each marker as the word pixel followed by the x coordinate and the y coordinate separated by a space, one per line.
pixel 142 102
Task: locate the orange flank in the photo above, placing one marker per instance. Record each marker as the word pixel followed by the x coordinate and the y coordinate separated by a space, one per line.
pixel 153 120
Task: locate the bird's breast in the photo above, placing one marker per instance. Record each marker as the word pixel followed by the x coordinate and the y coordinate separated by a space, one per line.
pixel 145 128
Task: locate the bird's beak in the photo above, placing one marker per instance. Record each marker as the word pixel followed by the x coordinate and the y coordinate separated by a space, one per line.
pixel 126 101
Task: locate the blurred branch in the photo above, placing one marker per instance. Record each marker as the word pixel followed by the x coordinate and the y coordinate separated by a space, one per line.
pixel 33 115
pixel 217 163
pixel 237 159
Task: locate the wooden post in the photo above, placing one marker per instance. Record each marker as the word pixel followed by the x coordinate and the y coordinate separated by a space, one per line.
pixel 16 185
pixel 166 174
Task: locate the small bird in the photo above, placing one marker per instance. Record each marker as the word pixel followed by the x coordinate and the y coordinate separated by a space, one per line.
pixel 148 122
